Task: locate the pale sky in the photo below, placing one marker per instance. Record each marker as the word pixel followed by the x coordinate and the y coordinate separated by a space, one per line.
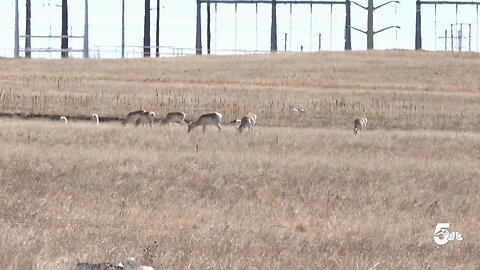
pixel 231 31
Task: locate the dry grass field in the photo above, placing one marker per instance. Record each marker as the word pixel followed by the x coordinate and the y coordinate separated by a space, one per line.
pixel 299 192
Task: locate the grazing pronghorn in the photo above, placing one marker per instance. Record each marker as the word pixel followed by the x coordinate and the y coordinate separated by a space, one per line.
pixel 139 117
pixel 239 121
pixel 132 117
pixel 360 124
pixel 147 118
pixel 207 119
pixel 64 119
pixel 174 117
pixel 248 121
pixel 94 119
pixel 254 118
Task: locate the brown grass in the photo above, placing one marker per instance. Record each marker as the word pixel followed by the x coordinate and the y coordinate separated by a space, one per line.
pixel 300 192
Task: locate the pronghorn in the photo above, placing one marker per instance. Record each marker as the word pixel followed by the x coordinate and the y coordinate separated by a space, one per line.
pixel 133 117
pixel 360 124
pixel 239 121
pixel 94 119
pixel 254 118
pixel 207 119
pixel 248 121
pixel 64 119
pixel 174 117
pixel 147 118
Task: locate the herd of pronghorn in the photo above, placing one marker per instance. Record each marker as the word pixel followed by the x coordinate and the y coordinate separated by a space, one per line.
pixel 248 121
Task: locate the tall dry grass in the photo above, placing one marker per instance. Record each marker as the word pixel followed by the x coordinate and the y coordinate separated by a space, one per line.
pixel 319 198
pixel 301 192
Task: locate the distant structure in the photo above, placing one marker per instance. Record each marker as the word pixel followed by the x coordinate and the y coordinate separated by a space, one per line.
pixel 28 29
pixel 85 33
pixel 273 31
pixel 146 30
pixel 456 36
pixel 418 17
pixel 123 28
pixel 64 28
pixel 64 50
pixel 458 30
pixel 370 32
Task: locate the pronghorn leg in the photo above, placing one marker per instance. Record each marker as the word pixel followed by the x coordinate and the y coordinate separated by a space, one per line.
pixel 219 127
pixel 204 128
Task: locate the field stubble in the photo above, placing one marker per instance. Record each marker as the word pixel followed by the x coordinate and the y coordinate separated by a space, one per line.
pixel 281 197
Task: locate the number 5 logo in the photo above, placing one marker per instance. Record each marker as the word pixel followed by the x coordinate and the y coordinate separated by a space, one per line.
pixel 440 236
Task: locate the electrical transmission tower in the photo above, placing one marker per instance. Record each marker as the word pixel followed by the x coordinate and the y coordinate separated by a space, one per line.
pixel 370 32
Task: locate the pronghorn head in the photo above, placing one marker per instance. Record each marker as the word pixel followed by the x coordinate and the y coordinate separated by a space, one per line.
pixel 64 119
pixel 152 114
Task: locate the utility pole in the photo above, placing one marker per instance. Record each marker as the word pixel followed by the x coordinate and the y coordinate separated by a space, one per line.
pixel 16 51
pixel 348 36
pixel 64 44
pixel 146 30
pixel 157 33
pixel 370 32
pixel 418 26
pixel 28 30
pixel 198 40
pixel 85 33
pixel 273 32
pixel 209 34
pixel 123 28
